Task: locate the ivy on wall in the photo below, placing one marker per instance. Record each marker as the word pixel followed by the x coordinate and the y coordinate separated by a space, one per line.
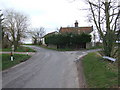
pixel 67 39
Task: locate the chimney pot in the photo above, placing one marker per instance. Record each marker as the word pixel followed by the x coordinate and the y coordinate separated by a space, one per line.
pixel 76 24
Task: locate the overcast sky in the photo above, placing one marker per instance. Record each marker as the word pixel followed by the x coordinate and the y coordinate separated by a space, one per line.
pixel 50 14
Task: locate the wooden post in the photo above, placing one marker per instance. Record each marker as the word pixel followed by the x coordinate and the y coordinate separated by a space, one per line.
pixel 12 53
pixel 11 57
pixel 27 51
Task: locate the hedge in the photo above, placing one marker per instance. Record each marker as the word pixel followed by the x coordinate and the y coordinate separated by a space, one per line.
pixel 67 39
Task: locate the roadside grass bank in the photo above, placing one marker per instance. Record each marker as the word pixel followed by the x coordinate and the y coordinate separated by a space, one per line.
pixel 70 49
pixel 20 49
pixel 95 47
pixel 100 73
pixel 46 47
pixel 18 58
pixel 62 49
pixel 27 44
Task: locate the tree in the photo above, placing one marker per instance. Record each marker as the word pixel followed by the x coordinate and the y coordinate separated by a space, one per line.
pixel 1 29
pixel 16 25
pixel 105 15
pixel 37 35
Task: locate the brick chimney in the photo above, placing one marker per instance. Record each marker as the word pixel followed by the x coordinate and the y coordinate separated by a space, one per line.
pixel 76 24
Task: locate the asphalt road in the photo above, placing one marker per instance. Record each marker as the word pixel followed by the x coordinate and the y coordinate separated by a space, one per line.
pixel 45 69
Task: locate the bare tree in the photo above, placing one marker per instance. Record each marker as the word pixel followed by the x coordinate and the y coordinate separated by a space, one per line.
pixel 37 35
pixel 16 25
pixel 105 16
pixel 1 29
pixel 57 29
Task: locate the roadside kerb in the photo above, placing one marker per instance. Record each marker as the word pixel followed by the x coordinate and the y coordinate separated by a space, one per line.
pixel 81 77
pixel 79 57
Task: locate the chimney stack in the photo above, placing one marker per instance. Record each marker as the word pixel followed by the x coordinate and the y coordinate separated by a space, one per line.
pixel 76 24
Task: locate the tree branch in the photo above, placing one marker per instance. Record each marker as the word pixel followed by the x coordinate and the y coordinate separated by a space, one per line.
pixel 98 28
pixel 116 20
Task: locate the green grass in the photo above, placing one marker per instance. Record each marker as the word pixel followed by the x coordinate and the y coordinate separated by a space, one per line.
pixel 66 49
pixel 6 49
pixel 70 49
pixel 27 44
pixel 95 47
pixel 99 73
pixel 20 49
pixel 62 49
pixel 18 58
pixel 0 62
pixel 46 47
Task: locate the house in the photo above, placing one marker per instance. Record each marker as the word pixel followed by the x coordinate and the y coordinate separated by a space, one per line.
pixel 78 30
pixel 51 33
pixel 75 30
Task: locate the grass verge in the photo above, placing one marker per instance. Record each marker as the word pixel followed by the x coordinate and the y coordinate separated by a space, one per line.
pixel 64 49
pixel 20 49
pixel 18 58
pixel 27 44
pixel 100 73
pixel 70 49
pixel 95 47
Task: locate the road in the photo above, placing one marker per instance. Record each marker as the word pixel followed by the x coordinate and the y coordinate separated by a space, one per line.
pixel 45 69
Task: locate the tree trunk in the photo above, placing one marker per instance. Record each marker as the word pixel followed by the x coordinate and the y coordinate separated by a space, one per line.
pixel 108 42
pixel 15 45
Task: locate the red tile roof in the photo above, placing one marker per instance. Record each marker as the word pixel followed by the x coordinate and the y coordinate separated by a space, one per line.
pixel 77 30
